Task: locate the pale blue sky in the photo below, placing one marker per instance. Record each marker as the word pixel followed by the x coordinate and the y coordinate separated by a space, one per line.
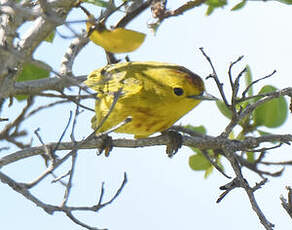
pixel 165 193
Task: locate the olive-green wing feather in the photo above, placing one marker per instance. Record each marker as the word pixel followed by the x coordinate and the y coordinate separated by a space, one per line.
pixel 110 79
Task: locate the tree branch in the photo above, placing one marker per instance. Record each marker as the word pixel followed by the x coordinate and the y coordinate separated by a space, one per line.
pixel 37 86
pixel 41 28
pixel 205 142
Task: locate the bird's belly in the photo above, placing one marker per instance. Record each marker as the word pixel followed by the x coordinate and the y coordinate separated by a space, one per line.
pixel 145 122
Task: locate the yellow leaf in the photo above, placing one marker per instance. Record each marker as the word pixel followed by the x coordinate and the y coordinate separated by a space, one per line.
pixel 118 40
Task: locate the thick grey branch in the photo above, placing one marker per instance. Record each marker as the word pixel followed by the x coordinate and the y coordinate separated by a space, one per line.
pixel 37 86
pixel 206 142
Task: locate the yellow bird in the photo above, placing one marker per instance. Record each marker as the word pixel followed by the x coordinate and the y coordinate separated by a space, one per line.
pixel 155 95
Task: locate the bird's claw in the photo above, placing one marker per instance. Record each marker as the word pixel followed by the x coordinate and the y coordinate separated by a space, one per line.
pixel 107 145
pixel 175 142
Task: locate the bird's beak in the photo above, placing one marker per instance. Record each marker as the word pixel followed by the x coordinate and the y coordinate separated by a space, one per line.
pixel 204 97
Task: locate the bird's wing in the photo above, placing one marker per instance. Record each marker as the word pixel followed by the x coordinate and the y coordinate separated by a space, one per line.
pixel 108 81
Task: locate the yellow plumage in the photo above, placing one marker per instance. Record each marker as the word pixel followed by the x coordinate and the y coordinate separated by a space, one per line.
pixel 155 95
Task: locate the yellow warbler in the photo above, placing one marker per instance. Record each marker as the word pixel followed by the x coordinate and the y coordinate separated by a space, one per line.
pixel 155 95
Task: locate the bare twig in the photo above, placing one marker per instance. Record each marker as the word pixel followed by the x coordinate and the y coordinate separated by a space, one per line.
pixel 230 69
pixel 205 153
pixel 74 157
pixel 73 50
pixel 256 81
pixel 235 86
pixel 266 149
pixel 182 9
pixel 115 99
pixel 51 154
pixel 50 209
pixel 259 185
pixel 228 187
pixel 59 179
pixel 229 153
pixel 11 130
pixel 253 166
pixel 131 15
pixel 82 224
pixel 215 77
pixel 287 205
pixel 160 12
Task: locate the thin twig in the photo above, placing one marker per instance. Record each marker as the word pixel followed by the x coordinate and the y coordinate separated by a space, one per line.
pixel 73 50
pixel 74 156
pixel 228 187
pixel 230 70
pixel 131 15
pixel 215 77
pixel 287 205
pixel 205 153
pixel 78 222
pixel 229 153
pixel 11 130
pixel 59 179
pixel 42 107
pixel 235 87
pixel 260 185
pixel 51 154
pixel 182 9
pixel 115 99
pixel 50 209
pixel 254 82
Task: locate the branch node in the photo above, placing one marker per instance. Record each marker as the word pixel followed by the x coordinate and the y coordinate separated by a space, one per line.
pixel 235 183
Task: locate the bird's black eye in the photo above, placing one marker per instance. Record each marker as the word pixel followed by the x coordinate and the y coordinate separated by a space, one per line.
pixel 178 91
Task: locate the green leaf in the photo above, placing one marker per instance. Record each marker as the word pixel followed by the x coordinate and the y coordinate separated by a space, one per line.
pixel 199 129
pixel 239 5
pixel 51 37
pixel 224 109
pixel 31 72
pixel 245 120
pixel 248 80
pixel 98 3
pixel 212 4
pixel 263 133
pixel 199 162
pixel 216 3
pixel 208 172
pixel 210 10
pixel 273 113
pixel 250 156
pixel 288 2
